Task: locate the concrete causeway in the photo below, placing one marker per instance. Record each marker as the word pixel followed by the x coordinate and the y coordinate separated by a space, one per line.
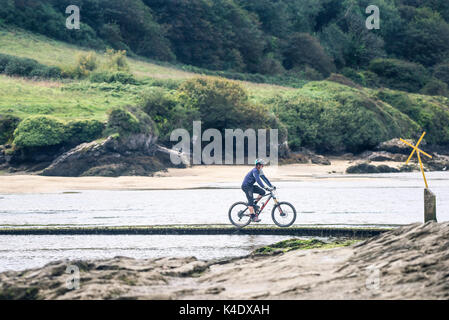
pixel 315 231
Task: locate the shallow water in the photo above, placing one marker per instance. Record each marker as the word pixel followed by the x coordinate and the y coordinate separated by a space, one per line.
pixel 24 252
pixel 381 199
pixel 365 199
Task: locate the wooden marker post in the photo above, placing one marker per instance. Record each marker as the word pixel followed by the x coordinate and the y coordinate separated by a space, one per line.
pixel 430 206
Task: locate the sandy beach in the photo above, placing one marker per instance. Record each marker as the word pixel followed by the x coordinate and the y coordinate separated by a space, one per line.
pixel 189 178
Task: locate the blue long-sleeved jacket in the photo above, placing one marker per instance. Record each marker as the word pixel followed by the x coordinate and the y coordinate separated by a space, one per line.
pixel 255 176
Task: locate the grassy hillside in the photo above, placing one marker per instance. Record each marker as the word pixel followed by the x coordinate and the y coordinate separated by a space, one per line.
pixel 323 115
pixel 73 99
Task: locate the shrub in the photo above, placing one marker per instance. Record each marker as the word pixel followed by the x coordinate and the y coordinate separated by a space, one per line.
pixel 23 67
pixel 312 74
pixel 20 67
pixel 86 63
pixel 370 79
pixel 220 104
pixel 364 78
pixel 305 50
pixel 8 124
pixel 116 60
pixel 330 117
pixel 39 131
pixel 429 115
pixel 441 72
pixel 435 87
pixel 398 74
pixel 109 77
pixel 122 121
pixel 80 131
pixel 353 75
pixel 160 106
pixel 129 120
pixel 169 84
pixel 4 60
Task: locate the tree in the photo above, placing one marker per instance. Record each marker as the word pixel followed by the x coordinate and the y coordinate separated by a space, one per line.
pixel 305 50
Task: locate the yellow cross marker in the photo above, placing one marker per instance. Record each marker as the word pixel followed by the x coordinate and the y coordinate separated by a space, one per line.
pixel 418 151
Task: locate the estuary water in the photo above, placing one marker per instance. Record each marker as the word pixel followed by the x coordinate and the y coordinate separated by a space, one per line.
pixel 342 200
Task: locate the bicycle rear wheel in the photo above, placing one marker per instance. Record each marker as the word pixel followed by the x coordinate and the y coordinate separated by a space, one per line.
pixel 283 214
pixel 239 214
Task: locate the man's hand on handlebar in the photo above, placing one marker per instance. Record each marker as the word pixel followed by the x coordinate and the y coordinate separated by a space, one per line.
pixel 270 188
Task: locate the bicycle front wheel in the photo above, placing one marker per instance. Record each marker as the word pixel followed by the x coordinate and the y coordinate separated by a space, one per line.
pixel 239 214
pixel 283 214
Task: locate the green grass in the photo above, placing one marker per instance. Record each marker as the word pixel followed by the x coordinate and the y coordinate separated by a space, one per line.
pixel 51 52
pixel 299 244
pixel 69 101
pixel 81 99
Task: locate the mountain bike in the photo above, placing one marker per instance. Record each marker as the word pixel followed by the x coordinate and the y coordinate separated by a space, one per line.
pixel 283 213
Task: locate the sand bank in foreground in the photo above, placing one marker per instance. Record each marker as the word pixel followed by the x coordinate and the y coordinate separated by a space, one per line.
pixel 195 177
pixel 410 262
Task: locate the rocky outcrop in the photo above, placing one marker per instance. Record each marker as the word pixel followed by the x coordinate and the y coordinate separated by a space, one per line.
pixel 383 156
pixel 410 262
pixel 438 162
pixel 113 156
pixel 305 156
pixel 396 146
pixel 366 167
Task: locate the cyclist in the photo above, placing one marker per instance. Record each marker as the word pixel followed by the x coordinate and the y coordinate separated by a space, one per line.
pixel 255 175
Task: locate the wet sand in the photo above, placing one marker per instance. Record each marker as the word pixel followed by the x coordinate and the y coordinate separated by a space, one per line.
pixel 189 178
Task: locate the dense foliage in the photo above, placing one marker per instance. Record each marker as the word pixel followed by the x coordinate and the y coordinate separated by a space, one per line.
pixel 43 131
pixel 8 124
pixel 330 117
pixel 129 120
pixel 285 37
pixel 220 104
pixel 24 67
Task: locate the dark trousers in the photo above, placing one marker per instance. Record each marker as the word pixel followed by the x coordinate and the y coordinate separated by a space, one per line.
pixel 249 192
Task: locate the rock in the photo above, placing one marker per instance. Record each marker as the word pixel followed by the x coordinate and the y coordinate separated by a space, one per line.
pixel 284 150
pixel 348 156
pixel 79 159
pixel 167 154
pixel 386 169
pixel 438 162
pixel 382 156
pixel 36 155
pixel 399 157
pixel 410 262
pixel 317 159
pixel 409 168
pixel 365 167
pixel 133 155
pixel 385 156
pixel 305 156
pixel 396 146
pixel 295 157
pixel 313 157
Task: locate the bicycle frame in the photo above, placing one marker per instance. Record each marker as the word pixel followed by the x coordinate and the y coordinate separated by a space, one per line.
pixel 270 196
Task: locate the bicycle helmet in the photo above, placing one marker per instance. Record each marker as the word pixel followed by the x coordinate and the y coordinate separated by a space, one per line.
pixel 260 161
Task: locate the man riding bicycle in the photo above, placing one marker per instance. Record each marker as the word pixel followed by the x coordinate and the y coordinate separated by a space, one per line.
pixel 255 175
